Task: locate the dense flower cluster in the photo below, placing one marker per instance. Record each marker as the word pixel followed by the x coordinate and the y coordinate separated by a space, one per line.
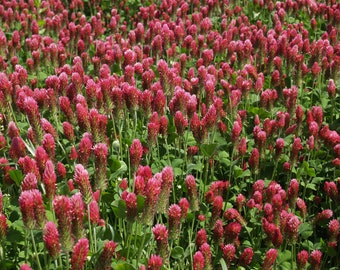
pixel 169 134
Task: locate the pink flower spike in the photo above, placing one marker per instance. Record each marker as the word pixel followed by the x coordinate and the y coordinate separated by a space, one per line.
pixel 160 233
pixel 201 237
pixel 198 261
pixel 63 210
pixel 104 261
pixel 192 192
pixel 175 214
pixel 77 215
pixel 270 259
pixel 3 226
pixel 131 206
pixel 1 202
pixel 17 148
pixel 100 152
pixel 32 208
pixel 324 215
pixel 302 259
pixel 315 259
pixel 81 178
pixel 180 122
pixel 167 176
pixel 79 254
pixel 94 212
pixel 68 131
pixel 136 153
pixel 49 145
pixel 51 239
pixel 184 204
pixel 246 257
pixel 49 180
pixel 30 182
pixel 206 251
pixel 25 267
pixel 155 262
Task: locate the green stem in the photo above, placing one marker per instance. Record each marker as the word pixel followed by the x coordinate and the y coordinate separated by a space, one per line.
pixel 95 239
pixel 190 239
pixel 36 255
pixel 167 150
pixel 60 260
pixel 129 241
pixel 304 188
pixel 67 260
pixel 201 192
pixel 158 154
pixel 136 233
pixel 206 169
pixel 275 168
pixel 90 227
pixel 135 123
pixel 140 250
pixel 332 109
pixel 292 257
pixel 26 249
pixel 56 263
pixel 47 259
pixel 230 174
pixel 2 252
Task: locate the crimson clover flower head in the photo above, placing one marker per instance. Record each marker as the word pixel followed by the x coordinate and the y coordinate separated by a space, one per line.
pixel 232 231
pixel 206 251
pixel 104 261
pixel 201 237
pixel 3 226
pixel 30 182
pixel 131 205
pixel 323 215
pixel 94 212
pixel 136 153
pixel 184 204
pixel 153 188
pixel 229 252
pixel 155 262
pixel 331 88
pixel 79 254
pixel 167 175
pixel 246 257
pixel 12 130
pixel 302 259
pixel 81 178
pixel 61 170
pixel 68 131
pixel 77 207
pixel 315 258
pixel 163 125
pixel 17 149
pixel 198 261
pixel 269 259
pixel 236 131
pixel 41 158
pixel 209 120
pixel 32 208
pixel 25 267
pixel 180 122
pixel 254 159
pixel 175 212
pixel 160 232
pixel 51 239
pixel 100 151
pixel 49 180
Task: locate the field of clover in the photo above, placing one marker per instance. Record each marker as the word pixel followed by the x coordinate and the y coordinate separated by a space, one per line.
pixel 148 134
